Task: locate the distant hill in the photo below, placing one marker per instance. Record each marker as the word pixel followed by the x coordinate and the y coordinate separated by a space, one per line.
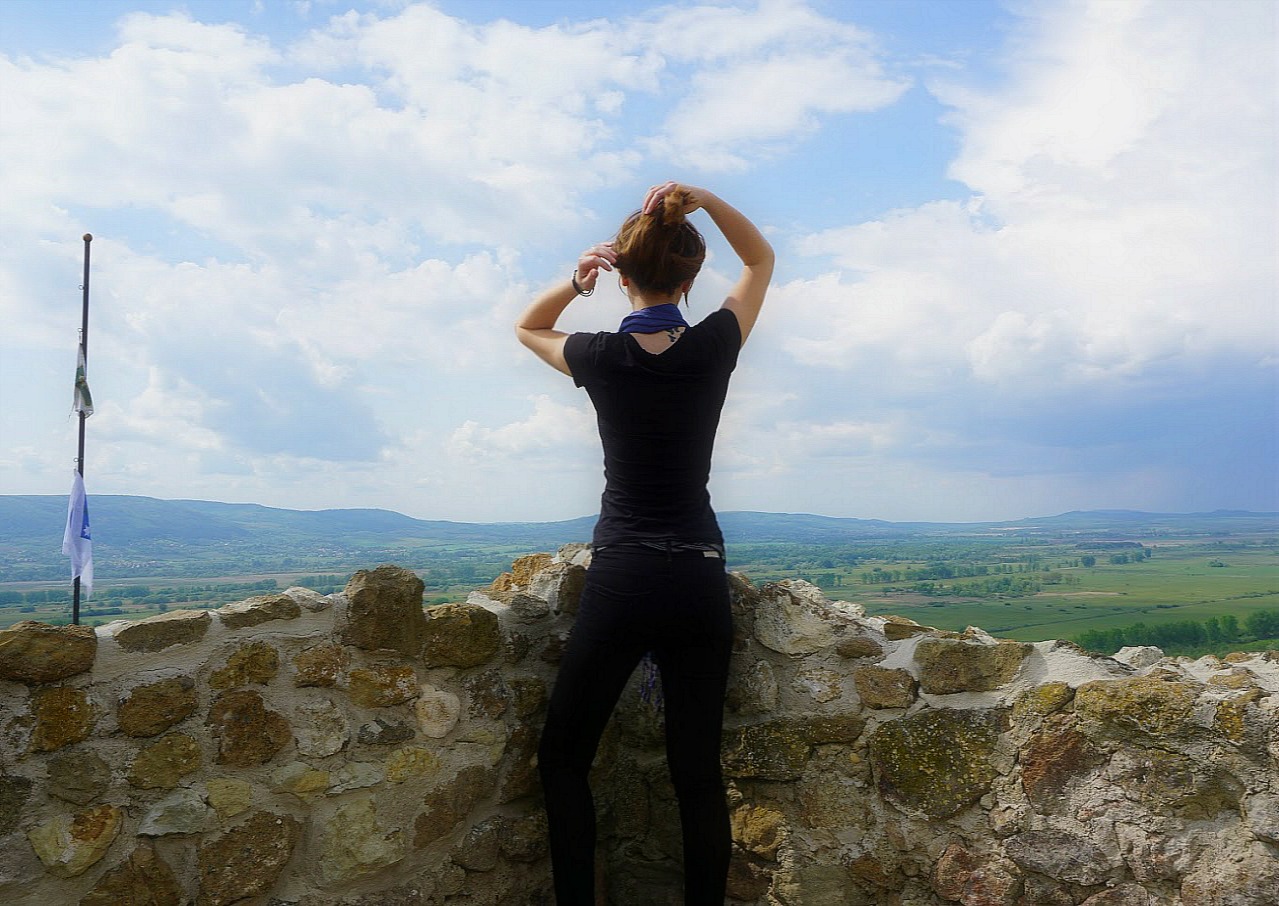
pixel 125 520
pixel 147 536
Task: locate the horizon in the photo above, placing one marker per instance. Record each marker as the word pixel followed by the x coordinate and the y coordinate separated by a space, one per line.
pixel 1100 511
pixel 1026 251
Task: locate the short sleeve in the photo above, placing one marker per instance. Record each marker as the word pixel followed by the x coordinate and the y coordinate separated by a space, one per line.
pixel 582 353
pixel 725 336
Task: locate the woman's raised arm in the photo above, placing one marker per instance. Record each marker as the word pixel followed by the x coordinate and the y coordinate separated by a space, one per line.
pixel 536 326
pixel 747 296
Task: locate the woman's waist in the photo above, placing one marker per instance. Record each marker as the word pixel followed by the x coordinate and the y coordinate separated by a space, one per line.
pixel 661 547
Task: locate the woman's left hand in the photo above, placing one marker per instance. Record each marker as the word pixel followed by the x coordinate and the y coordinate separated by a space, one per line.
pixel 655 196
pixel 594 259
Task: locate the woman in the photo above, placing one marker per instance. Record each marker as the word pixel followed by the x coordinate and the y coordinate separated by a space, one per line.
pixel 656 582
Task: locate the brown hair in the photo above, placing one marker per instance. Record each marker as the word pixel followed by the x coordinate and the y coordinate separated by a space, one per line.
pixel 662 251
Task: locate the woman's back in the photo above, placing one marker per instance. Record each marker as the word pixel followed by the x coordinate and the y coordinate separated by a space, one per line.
pixel 657 416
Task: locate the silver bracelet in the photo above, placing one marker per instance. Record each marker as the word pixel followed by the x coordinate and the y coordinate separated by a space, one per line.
pixel 580 291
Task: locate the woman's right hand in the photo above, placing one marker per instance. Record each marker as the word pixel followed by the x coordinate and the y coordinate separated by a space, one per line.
pixel 592 260
pixel 657 194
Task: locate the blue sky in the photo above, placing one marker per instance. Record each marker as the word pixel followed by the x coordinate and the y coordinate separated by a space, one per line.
pixel 1027 251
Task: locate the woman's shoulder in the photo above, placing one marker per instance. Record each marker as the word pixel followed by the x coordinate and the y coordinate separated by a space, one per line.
pixel 723 325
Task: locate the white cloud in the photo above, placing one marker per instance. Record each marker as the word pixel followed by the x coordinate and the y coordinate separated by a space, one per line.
pixel 1107 235
pixel 764 76
pixel 551 429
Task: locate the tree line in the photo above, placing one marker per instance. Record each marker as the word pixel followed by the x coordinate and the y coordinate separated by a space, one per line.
pixel 1181 635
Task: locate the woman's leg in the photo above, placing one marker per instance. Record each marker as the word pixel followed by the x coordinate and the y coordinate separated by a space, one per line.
pixel 694 668
pixel 600 656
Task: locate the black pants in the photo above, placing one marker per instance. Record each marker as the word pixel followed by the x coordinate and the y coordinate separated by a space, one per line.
pixel 675 605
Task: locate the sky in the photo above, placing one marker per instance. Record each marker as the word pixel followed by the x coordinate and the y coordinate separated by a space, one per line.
pixel 1026 250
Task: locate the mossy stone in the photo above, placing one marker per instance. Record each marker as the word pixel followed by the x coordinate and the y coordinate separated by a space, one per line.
pixel 937 762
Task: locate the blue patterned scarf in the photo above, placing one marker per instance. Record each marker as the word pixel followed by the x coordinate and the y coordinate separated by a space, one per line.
pixel 653 319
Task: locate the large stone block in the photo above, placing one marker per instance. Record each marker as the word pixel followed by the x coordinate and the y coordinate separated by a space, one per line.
pixel 248 733
pixel 356 845
pixel 384 611
pixel 792 617
pixel 460 635
pixel 255 611
pixel 956 665
pixel 69 844
pixel 32 652
pixel 177 627
pixel 381 686
pixel 63 715
pixel 163 763
pixel 885 687
pixel 151 709
pixel 143 879
pixel 321 665
pixel 814 883
pixel 936 762
pixel 254 663
pixel 1140 707
pixel 247 860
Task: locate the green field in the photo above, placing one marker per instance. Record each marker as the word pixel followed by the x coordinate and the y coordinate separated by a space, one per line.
pixel 1177 583
pixel 1031 583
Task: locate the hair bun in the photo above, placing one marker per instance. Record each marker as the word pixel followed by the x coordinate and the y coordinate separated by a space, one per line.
pixel 673 208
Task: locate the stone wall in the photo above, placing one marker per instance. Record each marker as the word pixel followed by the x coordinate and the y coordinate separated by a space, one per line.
pixel 352 749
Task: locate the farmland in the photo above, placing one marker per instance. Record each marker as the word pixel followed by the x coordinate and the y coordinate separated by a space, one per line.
pixel 1197 579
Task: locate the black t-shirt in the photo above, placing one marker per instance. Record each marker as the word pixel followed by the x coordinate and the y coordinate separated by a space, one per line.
pixel 657 417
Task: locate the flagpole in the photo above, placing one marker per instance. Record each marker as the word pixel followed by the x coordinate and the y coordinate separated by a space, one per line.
pixel 84 346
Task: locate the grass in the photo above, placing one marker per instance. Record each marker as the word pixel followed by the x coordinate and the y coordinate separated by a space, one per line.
pixel 1177 583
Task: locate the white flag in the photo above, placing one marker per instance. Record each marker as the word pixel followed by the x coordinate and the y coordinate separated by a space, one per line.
pixel 83 398
pixel 76 542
